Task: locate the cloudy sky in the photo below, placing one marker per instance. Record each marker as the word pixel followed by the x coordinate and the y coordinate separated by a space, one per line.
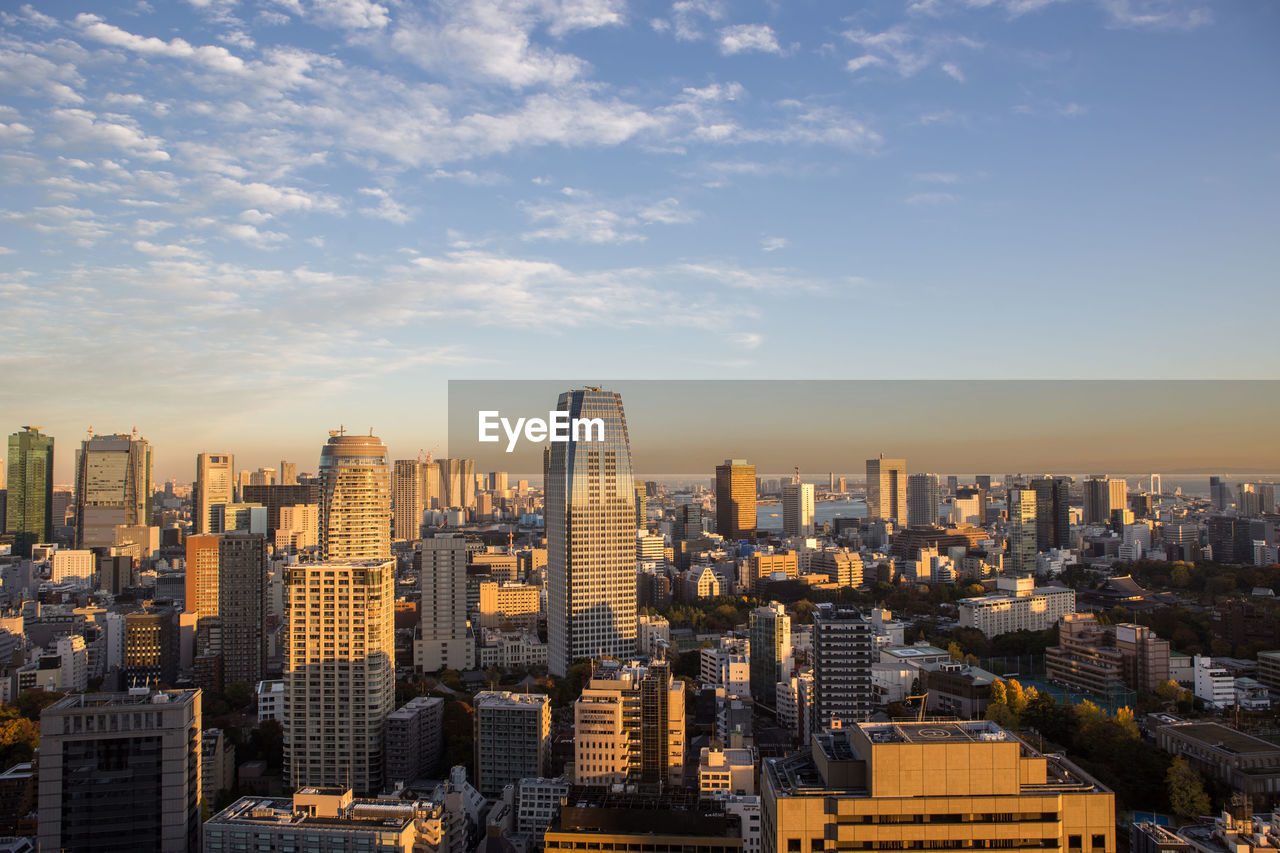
pixel 235 224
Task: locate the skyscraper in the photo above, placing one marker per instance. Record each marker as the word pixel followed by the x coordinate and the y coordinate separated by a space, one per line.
pixel 29 504
pixel 215 484
pixel 624 706
pixel 113 487
pixel 770 632
pixel 922 499
pixel 339 672
pixel 797 509
pixel 1053 512
pixel 202 575
pixel 1102 494
pixel 887 489
pixel 1022 530
pixel 355 498
pixel 242 606
pixel 457 483
pixel 591 536
pixel 736 499
pixel 442 572
pixel 410 502
pixel 842 647
pixel 288 473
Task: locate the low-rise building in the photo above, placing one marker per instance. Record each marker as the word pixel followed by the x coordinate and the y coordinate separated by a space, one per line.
pixel 270 701
pixel 1214 684
pixel 538 801
pixel 731 771
pixel 1017 605
pixel 1248 764
pixel 217 764
pixel 1269 669
pixel 415 740
pixel 630 822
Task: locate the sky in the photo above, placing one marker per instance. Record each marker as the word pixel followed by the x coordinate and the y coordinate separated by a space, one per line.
pixel 235 224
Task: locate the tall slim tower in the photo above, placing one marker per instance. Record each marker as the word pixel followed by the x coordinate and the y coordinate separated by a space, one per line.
pixel 442 572
pixel 797 509
pixel 288 473
pixel 355 498
pixel 215 484
pixel 887 489
pixel 922 499
pixel 770 631
pixel 339 678
pixel 113 487
pixel 242 605
pixel 407 482
pixel 29 508
pixel 1022 530
pixel 1053 512
pixel 736 499
pixel 591 536
pixel 842 656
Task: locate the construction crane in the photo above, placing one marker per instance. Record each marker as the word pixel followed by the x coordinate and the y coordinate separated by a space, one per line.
pixel 924 703
pixel 425 455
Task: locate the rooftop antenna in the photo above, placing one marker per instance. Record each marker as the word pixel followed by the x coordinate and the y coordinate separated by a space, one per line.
pixel 797 479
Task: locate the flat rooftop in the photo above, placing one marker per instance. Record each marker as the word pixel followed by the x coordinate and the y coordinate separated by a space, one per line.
pixel 941 732
pixel 1223 737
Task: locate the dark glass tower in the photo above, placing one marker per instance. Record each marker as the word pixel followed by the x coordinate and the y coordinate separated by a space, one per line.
pixel 29 509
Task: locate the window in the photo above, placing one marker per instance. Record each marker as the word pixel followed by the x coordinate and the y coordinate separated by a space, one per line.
pixel 1073 842
pixel 793 845
pixel 1099 842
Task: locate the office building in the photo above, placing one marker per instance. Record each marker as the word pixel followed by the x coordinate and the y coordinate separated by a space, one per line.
pixel 202 575
pixel 415 741
pixel 298 528
pixel 243 562
pixel 1017 605
pixel 28 510
pixel 1219 494
pixel 1241 761
pixel 770 637
pixel 355 499
pixel 215 484
pixel 842 658
pixel 797 509
pixel 1022 531
pixel 151 647
pixel 339 672
pixel 71 566
pixel 121 772
pixel 726 771
pixel 457 483
pixel 922 499
pixel 642 507
pixel 629 726
pixel 688 523
pixel 113 488
pixel 887 489
pixel 332 820
pixel 512 738
pixel 591 537
pixel 675 819
pixel 1053 512
pixel 933 785
pixel 1106 659
pixel 442 573
pixel 288 473
pixel 1102 495
pixel 279 497
pixel 736 499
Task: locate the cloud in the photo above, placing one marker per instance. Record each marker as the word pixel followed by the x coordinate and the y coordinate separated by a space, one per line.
pixel 274 199
pixel 746 340
pixel 906 51
pixel 15 132
pixel 860 62
pixel 688 16
pixel 1156 14
pixel 350 14
pixel 953 71
pixel 748 37
pixel 210 56
pixel 935 199
pixel 83 128
pixel 387 208
pixel 586 220
pixel 171 250
pixel 773 244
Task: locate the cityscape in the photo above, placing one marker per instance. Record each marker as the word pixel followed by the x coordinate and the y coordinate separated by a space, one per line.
pixel 360 652
pixel 639 426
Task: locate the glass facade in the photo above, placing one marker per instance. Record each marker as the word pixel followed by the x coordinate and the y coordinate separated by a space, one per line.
pixel 29 508
pixel 591 536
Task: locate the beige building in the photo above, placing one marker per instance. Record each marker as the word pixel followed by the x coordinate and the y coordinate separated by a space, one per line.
pixel 629 726
pixel 887 489
pixel 763 567
pixel 215 484
pixel 339 672
pixel 728 771
pixel 416 485
pixel 299 528
pixel 202 575
pixel 736 499
pixel 954 786
pixel 442 573
pixel 355 498
pixel 1017 605
pixel 508 602
pixel 72 566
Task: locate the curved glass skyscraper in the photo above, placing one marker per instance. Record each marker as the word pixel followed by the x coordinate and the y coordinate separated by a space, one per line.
pixel 591 536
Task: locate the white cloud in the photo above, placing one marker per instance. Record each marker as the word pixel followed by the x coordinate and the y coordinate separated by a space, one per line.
pixel 171 250
pixel 746 340
pixel 748 37
pixel 77 127
pixel 210 56
pixel 906 51
pixel 275 199
pixel 387 207
pixel 936 199
pixel 350 14
pixel 15 132
pixel 773 244
pixel 953 71
pixel 688 16
pixel 1156 14
pixel 860 62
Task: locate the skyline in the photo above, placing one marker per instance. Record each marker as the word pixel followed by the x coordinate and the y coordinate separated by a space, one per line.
pixel 224 215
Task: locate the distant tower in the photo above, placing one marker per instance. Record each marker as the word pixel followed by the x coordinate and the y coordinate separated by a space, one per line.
pixel 113 487
pixel 29 508
pixel 1022 530
pixel 736 499
pixel 591 537
pixel 887 489
pixel 797 509
pixel 922 499
pixel 215 484
pixel 355 498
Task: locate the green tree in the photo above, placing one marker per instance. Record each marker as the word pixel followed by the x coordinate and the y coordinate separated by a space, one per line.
pixel 1186 791
pixel 1180 576
pixel 239 694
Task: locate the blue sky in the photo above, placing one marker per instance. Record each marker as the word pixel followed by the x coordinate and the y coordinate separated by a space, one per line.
pixel 237 224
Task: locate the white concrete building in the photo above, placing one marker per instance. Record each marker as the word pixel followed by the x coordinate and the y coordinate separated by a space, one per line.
pixel 732 771
pixel 1213 685
pixel 270 701
pixel 1018 605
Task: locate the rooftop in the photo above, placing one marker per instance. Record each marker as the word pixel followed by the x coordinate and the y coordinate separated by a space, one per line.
pixel 1223 737
pixel 935 732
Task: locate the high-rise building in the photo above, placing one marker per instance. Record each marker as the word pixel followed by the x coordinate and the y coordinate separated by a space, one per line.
pixel 591 536
pixel 339 672
pixel 1219 493
pixel 151 647
pixel 922 499
pixel 1157 486
pixel 770 634
pixel 113 487
pixel 629 726
pixel 797 509
pixel 243 561
pixel 355 499
pixel 288 473
pixel 512 738
pixel 857 788
pixel 442 572
pixel 1053 512
pixel 415 740
pixel 277 497
pixel 29 496
pixel 887 489
pixel 642 507
pixel 1103 494
pixel 688 523
pixel 202 575
pixel 953 483
pixel 736 499
pixel 457 483
pixel 215 484
pixel 973 493
pixel 1022 531
pixel 413 495
pixel 121 772
pixel 842 646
